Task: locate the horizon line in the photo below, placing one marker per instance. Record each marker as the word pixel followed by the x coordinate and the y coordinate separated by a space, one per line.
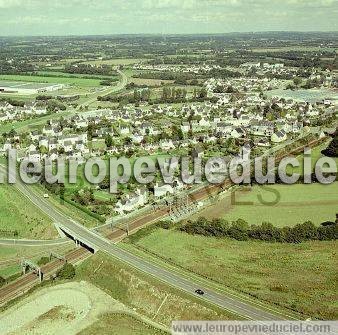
pixel 183 34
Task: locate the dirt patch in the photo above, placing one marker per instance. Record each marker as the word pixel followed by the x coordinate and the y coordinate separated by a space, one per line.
pixel 70 307
pixel 57 313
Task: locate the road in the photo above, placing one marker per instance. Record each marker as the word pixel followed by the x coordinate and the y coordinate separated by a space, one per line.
pixel 115 89
pixel 227 301
pixel 231 303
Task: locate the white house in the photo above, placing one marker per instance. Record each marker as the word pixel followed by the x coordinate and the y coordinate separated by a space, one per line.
pixel 124 130
pixel 167 144
pixel 132 201
pixel 162 190
pixel 185 127
pixel 279 136
pixel 238 132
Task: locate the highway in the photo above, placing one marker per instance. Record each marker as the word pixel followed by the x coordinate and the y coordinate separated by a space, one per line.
pixel 229 302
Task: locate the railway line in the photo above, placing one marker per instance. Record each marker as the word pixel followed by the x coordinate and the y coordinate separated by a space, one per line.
pixel 26 282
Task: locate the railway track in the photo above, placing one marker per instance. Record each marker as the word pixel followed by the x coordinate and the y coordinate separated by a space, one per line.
pixel 26 282
pixel 120 232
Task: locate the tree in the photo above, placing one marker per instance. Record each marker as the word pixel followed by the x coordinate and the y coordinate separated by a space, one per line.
pixel 43 150
pixel 297 81
pixel 177 132
pixel 108 140
pixel 332 149
pixel 54 105
pixel 43 260
pixel 128 140
pixel 203 93
pixel 90 131
pixel 2 281
pixel 66 272
pixel 12 133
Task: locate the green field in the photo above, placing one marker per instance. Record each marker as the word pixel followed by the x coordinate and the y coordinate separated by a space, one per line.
pixel 19 215
pixel 76 75
pixel 77 81
pixel 297 204
pixel 294 203
pixel 315 155
pixel 122 324
pixel 117 61
pixel 301 277
pixel 30 124
pixel 11 256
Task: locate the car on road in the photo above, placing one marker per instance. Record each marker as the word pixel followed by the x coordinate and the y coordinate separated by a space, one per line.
pixel 199 291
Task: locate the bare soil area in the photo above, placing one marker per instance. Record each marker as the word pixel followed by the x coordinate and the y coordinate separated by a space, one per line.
pixel 66 308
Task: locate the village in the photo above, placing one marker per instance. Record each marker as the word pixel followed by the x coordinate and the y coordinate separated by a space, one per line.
pixel 167 162
pixel 238 112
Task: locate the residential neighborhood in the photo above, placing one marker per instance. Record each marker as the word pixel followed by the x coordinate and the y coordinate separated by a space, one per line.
pixel 156 171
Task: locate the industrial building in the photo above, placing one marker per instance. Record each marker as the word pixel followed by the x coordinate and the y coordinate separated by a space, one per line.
pixel 21 87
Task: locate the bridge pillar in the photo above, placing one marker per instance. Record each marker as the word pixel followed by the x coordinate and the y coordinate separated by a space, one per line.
pixel 40 276
pixel 59 230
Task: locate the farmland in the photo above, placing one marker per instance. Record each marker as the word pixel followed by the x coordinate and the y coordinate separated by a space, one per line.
pixel 300 277
pixel 295 204
pixel 315 155
pixel 67 80
pixel 286 205
pixel 117 61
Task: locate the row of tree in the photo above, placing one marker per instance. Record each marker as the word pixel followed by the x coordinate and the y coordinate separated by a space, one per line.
pixel 173 94
pixel 82 68
pixel 13 102
pixel 242 231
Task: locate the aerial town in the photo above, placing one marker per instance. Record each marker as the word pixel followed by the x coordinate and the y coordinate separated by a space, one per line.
pixel 153 257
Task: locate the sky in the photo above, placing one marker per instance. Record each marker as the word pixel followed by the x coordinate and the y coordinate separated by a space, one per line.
pixel 90 17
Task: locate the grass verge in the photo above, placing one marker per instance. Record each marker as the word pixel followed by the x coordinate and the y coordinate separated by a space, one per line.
pixel 299 277
pixel 144 294
pixel 20 219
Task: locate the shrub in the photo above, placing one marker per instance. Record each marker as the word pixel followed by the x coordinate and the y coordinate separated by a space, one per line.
pixel 240 230
pixel 2 281
pixel 66 272
pixel 43 260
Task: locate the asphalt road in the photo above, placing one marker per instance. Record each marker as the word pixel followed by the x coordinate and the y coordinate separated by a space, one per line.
pixel 229 302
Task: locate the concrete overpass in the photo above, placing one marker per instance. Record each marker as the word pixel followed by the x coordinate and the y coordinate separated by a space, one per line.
pixel 95 242
pixel 77 236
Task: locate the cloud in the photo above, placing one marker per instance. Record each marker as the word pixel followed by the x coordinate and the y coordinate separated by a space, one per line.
pixel 10 3
pixel 158 15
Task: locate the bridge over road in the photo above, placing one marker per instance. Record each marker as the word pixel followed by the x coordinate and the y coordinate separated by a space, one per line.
pixel 235 305
pixel 92 240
